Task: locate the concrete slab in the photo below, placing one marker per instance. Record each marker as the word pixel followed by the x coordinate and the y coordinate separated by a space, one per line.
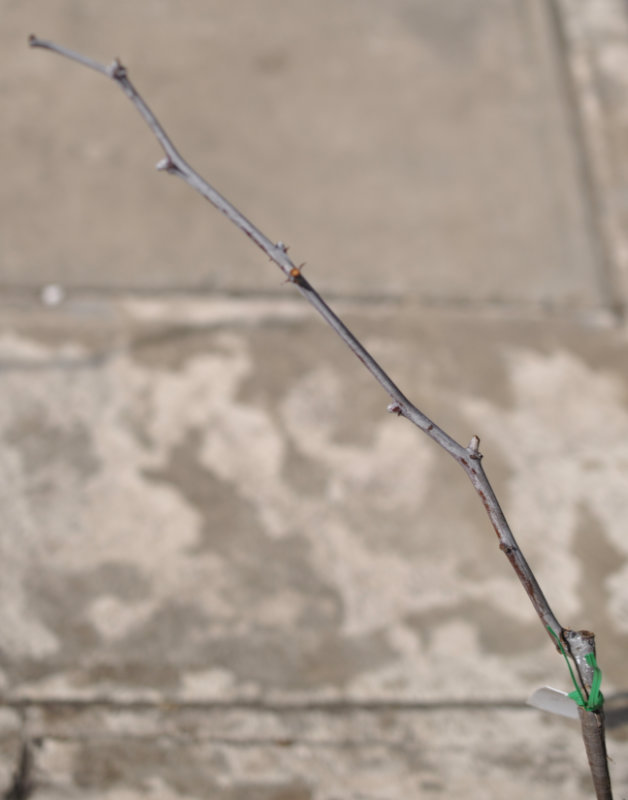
pixel 208 503
pixel 596 53
pixel 402 149
pixel 305 753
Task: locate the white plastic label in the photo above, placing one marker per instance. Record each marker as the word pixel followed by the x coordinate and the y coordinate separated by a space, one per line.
pixel 554 701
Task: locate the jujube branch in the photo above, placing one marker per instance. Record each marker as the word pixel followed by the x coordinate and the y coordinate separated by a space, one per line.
pixel 577 643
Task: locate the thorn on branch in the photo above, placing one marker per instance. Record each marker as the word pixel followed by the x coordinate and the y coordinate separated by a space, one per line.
pixel 116 71
pixel 281 247
pixel 167 165
pixel 474 448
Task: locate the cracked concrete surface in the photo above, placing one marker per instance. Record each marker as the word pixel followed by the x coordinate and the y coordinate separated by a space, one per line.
pixel 227 572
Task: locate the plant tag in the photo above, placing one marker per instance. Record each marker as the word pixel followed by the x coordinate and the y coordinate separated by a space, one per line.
pixel 554 701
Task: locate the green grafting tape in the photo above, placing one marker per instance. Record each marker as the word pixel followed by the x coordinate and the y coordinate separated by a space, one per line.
pixel 596 698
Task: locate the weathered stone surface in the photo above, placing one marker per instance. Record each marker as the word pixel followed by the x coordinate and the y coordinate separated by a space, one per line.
pixel 596 55
pixel 292 753
pixel 213 506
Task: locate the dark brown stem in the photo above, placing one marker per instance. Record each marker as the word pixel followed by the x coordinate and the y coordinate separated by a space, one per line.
pixel 594 737
pixel 582 644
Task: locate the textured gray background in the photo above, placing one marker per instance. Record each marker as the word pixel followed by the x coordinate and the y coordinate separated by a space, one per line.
pixel 226 572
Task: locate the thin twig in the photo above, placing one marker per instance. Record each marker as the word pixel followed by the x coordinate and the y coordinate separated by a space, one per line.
pixel 469 458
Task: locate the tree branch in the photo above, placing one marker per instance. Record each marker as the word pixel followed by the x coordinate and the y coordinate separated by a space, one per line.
pixel 576 643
